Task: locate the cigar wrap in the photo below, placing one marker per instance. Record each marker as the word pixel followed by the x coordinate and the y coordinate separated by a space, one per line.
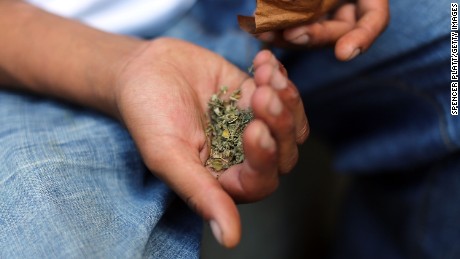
pixel 271 15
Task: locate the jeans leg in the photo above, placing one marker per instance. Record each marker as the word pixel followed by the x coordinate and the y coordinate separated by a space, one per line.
pixel 389 109
pixel 387 116
pixel 72 184
pixel 405 214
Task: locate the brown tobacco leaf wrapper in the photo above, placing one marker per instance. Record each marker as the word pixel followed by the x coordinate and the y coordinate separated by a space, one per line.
pixel 271 15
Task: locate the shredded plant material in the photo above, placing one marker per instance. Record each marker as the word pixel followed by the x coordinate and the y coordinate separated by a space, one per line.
pixel 225 129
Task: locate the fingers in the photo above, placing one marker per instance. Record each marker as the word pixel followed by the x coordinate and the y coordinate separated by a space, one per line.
pixel 268 71
pixel 293 101
pixel 268 107
pixel 258 176
pixel 325 32
pixel 277 103
pixel 270 140
pixel 352 28
pixel 185 174
pixel 266 36
pixel 374 17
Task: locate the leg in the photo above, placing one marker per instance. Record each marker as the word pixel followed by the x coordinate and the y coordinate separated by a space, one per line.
pixel 387 116
pixel 388 109
pixel 213 25
pixel 405 214
pixel 72 184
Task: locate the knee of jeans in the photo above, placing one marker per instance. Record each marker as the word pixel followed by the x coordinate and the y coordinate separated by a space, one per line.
pixel 63 153
pixel 41 175
pixel 23 159
pixel 27 155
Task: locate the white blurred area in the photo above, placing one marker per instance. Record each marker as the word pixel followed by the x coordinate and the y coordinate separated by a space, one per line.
pixel 132 17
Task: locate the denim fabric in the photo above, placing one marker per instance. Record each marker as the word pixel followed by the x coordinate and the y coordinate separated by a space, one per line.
pixel 213 25
pixel 404 214
pixel 390 108
pixel 387 117
pixel 72 185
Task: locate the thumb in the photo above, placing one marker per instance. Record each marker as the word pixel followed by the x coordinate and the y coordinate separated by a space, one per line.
pixel 187 176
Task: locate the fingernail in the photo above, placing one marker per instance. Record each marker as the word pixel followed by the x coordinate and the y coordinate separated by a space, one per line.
pixel 266 141
pixel 302 39
pixel 216 231
pixel 278 81
pixel 275 107
pixel 355 53
pixel 266 36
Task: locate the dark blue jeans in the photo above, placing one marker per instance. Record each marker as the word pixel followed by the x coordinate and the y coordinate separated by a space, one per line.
pixel 387 117
pixel 72 183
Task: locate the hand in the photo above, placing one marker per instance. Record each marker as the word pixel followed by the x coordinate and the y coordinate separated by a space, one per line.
pixel 162 95
pixel 352 27
pixel 160 90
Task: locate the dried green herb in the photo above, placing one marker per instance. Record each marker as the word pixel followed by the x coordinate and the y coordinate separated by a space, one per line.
pixel 225 129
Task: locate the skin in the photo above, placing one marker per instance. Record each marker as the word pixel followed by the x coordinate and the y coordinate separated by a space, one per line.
pixel 159 91
pixel 352 28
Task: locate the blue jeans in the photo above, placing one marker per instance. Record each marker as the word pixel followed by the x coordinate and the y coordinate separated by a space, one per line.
pixel 72 183
pixel 386 116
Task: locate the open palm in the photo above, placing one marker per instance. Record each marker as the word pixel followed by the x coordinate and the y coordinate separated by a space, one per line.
pixel 162 96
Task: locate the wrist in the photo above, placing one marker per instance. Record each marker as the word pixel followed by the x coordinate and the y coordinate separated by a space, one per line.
pixel 128 75
pixel 103 74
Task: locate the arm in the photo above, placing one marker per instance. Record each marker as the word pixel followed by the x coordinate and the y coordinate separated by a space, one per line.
pixel 159 90
pixel 53 56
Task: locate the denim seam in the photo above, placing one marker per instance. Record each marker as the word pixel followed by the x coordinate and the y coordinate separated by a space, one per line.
pixel 449 144
pixel 406 87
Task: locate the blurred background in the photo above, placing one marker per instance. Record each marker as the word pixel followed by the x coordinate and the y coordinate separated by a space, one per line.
pixel 298 220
